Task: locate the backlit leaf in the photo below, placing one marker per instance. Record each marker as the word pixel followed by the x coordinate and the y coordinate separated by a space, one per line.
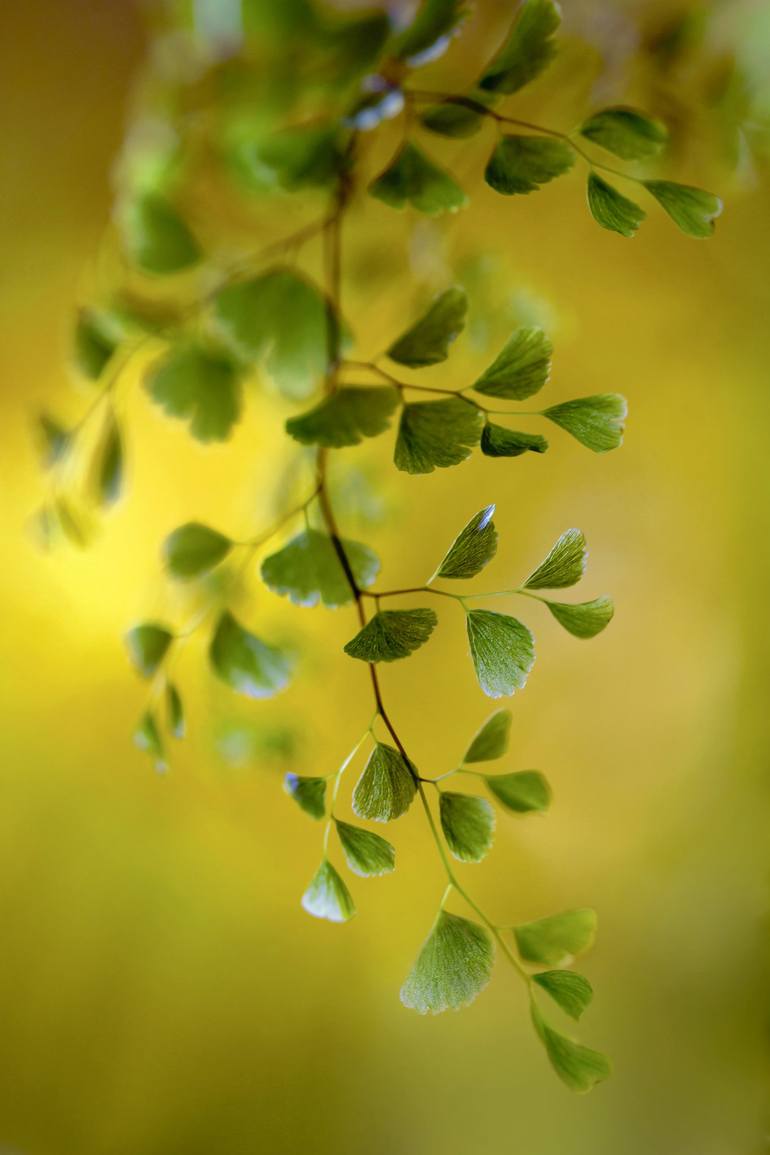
pixel 503 652
pixel 175 718
pixel 626 132
pixel 386 788
pixel 527 50
pixel 560 936
pixel 472 549
pixel 194 549
pixel 430 31
pixel 200 385
pixel 491 741
pixel 577 1066
pixel 569 990
pixel 147 646
pixel 108 465
pixel 308 793
pixel 245 663
pixel 346 417
pixel 596 422
pixel 611 209
pixel 156 237
pixel 564 565
pixel 453 967
pixel 94 344
pixel 585 620
pixel 392 634
pixel 427 341
pixel 521 164
pixel 327 896
pixel 523 791
pixel 368 855
pixel 436 434
pixel 468 823
pixel 497 441
pixel 147 738
pixel 693 210
pixel 308 570
pixel 522 368
pixel 412 179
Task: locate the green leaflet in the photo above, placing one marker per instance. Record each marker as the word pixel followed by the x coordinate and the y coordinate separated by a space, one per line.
pixel 427 341
pixel 245 663
pixel 147 738
pixel 156 238
pixel 570 991
pixel 611 209
pixel 452 119
pixel 523 791
pixel 94 344
pixel 306 156
pixel 281 321
pixel 147 645
pixel 386 788
pixel 472 549
pixel 496 441
pixel 503 652
pixel 491 741
pixel 108 464
pixel 577 1066
pixel 560 936
pixel 521 164
pixel 392 634
pixel 54 439
pixel 412 179
pixel 452 968
pixel 522 368
pixel 626 132
pixel 368 855
pixel 308 793
pixel 429 33
pixel 468 823
pixel 175 718
pixel 194 549
pixel 693 210
pixel 564 565
pixel 528 49
pixel 200 385
pixel 436 434
pixel 596 422
pixel 585 620
pixel 350 414
pixel 308 570
pixel 327 896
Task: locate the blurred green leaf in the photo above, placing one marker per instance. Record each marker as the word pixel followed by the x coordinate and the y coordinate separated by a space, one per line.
pixel 200 385
pixel 611 209
pixel 521 164
pixel 472 549
pixel 528 49
pixel 468 823
pixel 564 565
pixel 412 179
pixel 577 1066
pixel 245 663
pixel 156 238
pixel 346 417
pixel 436 434
pixel 305 156
pixel 55 439
pixel 308 793
pixel 522 368
pixel 503 652
pixel 367 854
pixel 430 31
pixel 147 738
pixel 427 341
pixel 108 463
pixel 392 634
pixel 585 620
pixel 327 896
pixel 175 717
pixel 453 119
pixel 596 422
pixel 496 441
pixel 386 788
pixel 523 791
pixel 453 967
pixel 626 132
pixel 571 991
pixel 194 549
pixel 93 344
pixel 551 940
pixel 491 741
pixel 693 210
pixel 147 646
pixel 308 570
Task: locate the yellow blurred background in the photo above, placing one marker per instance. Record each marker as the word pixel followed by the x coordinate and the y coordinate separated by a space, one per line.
pixel 161 990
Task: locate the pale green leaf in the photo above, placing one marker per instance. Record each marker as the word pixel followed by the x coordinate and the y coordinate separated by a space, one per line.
pixel 496 441
pixel 108 464
pixel 308 793
pixel 430 31
pixel 452 118
pixel 585 620
pixel 327 896
pixel 453 967
pixel 156 238
pixel 94 344
pixel 308 570
pixel 302 156
pixel 427 341
pixel 472 549
pixel 194 549
pixel 245 663
pixel 200 385
pixel 521 164
pixel 368 855
pixel 392 634
pixel 596 422
pixel 528 49
pixel 571 991
pixel 611 209
pixel 503 652
pixel 523 791
pixel 175 717
pixel 491 741
pixel 577 1066
pixel 522 368
pixel 412 179
pixel 626 132
pixel 147 738
pixel 551 940
pixel 147 646
pixel 387 786
pixel 436 434
pixel 693 210
pixel 468 823
pixel 346 417
pixel 564 565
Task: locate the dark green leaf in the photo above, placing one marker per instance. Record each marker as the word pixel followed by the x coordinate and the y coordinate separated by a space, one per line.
pixel 308 570
pixel 392 634
pixel 625 132
pixel 108 463
pixel 585 620
pixel 94 344
pixel 453 967
pixel 577 1066
pixel 194 549
pixel 55 439
pixel 147 644
pixel 492 739
pixel 412 179
pixel 571 991
pixel 521 164
pixel 453 119
pixel 468 823
pixel 147 737
pixel 693 210
pixel 350 414
pixel 564 565
pixel 156 237
pixel 528 49
pixel 503 652
pixel 386 788
pixel 301 157
pixel 200 385
pixel 596 422
pixel 611 209
pixel 327 896
pixel 367 854
pixel 427 341
pixel 430 31
pixel 282 321
pixel 245 663
pixel 175 718
pixel 436 434
pixel 308 793
pixel 472 549
pixel 522 792
pixel 522 368
pixel 560 936
pixel 496 441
